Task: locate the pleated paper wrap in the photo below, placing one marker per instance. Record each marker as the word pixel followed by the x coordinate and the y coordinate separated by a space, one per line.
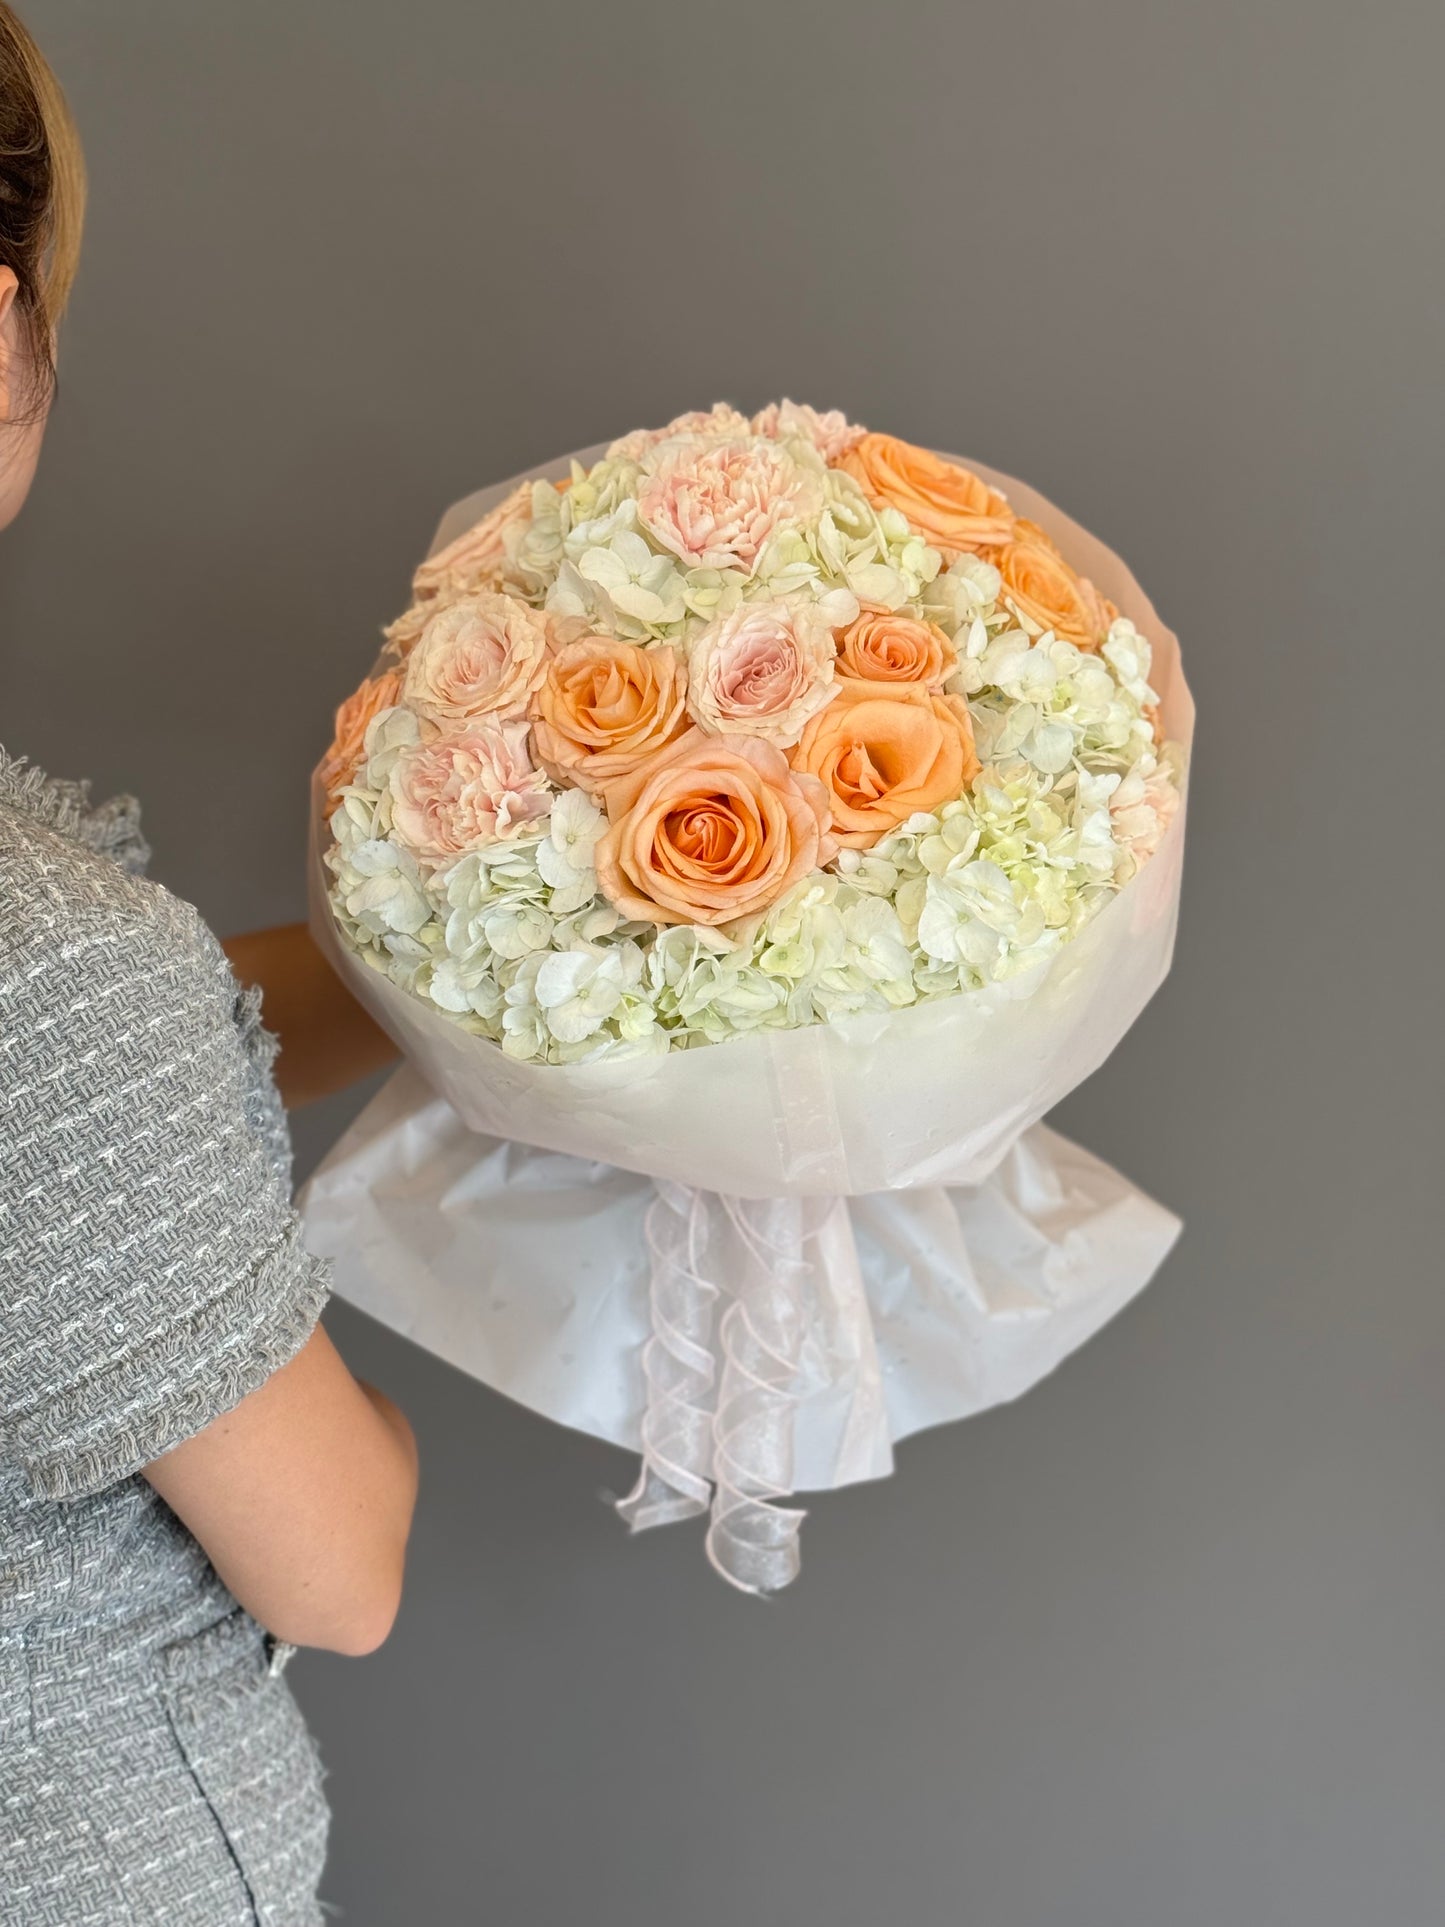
pixel 761 1262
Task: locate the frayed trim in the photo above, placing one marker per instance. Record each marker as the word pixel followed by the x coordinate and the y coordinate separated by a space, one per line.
pixel 111 829
pixel 261 1045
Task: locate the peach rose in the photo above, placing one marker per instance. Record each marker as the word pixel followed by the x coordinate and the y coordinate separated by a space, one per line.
pixel 709 830
pixel 1026 531
pixel 882 647
pixel 949 505
pixel 714 504
pixel 481 656
pixel 762 671
pixel 467 563
pixel 353 719
pixel 1041 587
pixel 883 750
pixel 605 706
pixel 461 792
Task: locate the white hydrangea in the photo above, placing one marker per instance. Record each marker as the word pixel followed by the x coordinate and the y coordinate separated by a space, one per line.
pixel 975 916
pixel 578 990
pixel 459 986
pixel 1129 656
pixel 875 554
pixel 378 890
pixel 387 735
pixel 382 889
pixel 565 854
pixel 623 587
pixel 1051 703
pixel 964 598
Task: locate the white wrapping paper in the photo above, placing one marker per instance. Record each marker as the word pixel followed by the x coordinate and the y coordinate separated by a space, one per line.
pixel 761 1262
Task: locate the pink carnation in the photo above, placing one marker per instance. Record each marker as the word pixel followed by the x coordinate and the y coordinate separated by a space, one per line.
pixel 714 504
pixel 762 671
pixel 721 421
pixel 831 434
pixel 464 791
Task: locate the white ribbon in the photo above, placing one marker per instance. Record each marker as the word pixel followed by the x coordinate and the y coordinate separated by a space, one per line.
pixel 722 1395
pixel 675 1481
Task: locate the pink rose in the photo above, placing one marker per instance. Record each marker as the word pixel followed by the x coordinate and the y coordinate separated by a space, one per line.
pixel 461 792
pixel 831 434
pixel 482 656
pixel 714 504
pixel 762 671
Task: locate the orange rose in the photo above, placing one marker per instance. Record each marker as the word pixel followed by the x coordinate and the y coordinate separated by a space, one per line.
pixel 604 707
pixel 1042 588
pixel 1026 531
pixel 353 719
pixel 885 749
pixel 881 647
pixel 949 505
pixel 709 830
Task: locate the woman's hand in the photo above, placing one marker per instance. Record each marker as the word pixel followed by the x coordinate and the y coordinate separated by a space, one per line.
pixel 327 1040
pixel 302 1498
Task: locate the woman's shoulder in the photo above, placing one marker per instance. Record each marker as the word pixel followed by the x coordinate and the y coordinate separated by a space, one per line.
pixel 101 967
pixel 31 801
pixel 118 1008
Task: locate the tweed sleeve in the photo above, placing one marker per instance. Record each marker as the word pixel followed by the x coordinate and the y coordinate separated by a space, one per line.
pixel 151 1268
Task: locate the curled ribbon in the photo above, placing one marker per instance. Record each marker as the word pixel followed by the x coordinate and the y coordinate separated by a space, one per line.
pixel 722 1394
pixel 675 1481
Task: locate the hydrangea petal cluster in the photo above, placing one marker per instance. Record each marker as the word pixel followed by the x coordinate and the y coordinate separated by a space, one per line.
pixel 754 723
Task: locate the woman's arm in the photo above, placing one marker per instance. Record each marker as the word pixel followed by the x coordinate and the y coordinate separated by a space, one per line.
pixel 302 1498
pixel 327 1039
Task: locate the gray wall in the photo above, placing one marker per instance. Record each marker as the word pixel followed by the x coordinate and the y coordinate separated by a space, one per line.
pixel 1161 1645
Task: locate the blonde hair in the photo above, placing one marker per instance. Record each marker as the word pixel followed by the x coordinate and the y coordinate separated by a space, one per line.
pixel 42 189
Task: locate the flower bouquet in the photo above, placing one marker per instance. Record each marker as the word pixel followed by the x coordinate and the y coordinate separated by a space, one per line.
pixel 748 832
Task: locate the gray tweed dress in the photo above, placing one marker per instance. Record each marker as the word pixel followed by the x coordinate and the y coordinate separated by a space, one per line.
pixel 154 1767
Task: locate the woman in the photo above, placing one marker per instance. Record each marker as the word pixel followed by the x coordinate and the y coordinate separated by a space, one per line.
pixel 184 1459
